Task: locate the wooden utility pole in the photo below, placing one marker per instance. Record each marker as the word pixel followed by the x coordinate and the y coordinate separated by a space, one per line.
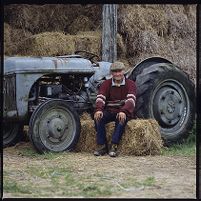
pixel 109 32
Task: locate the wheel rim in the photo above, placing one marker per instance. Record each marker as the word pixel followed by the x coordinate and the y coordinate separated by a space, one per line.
pixel 56 128
pixel 170 106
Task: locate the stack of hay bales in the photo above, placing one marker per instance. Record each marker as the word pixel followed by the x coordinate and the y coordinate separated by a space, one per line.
pixel 141 137
pixel 47 44
pixel 81 23
pixel 7 39
pixel 89 41
pixel 167 31
pixel 12 39
pixel 144 31
pixel 57 43
pixel 51 17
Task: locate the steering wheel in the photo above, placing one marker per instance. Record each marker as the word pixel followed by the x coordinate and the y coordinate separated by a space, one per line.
pixel 88 55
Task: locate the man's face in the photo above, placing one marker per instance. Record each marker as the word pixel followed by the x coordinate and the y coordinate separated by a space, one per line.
pixel 117 74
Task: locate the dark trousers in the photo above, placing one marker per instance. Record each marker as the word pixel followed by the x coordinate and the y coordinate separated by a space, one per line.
pixel 101 132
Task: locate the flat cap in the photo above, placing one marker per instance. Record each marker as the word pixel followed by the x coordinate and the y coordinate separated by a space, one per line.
pixel 117 65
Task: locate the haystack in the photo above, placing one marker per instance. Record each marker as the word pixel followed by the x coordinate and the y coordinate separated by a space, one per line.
pixel 12 38
pixel 89 41
pixel 57 43
pixel 121 48
pixel 7 39
pixel 167 31
pixel 81 23
pixel 50 17
pixel 160 30
pixel 47 44
pixel 141 137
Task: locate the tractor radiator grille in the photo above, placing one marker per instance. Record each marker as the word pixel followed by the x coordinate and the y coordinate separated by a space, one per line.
pixel 9 90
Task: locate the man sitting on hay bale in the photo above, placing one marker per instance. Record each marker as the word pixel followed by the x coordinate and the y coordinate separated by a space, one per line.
pixel 115 102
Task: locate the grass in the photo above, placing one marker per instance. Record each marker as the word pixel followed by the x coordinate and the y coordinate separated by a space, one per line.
pixel 13 187
pixel 56 177
pixel 60 181
pixel 95 190
pixel 30 152
pixel 149 181
pixel 48 172
pixel 180 149
pixel 186 148
pixel 130 183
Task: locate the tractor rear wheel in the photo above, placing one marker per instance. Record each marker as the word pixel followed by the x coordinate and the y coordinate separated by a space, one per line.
pixel 165 93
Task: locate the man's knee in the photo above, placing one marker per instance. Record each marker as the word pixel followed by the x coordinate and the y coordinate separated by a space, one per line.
pixel 123 124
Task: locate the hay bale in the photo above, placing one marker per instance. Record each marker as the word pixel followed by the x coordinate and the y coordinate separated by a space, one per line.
pixel 12 38
pixel 81 23
pixel 85 117
pixel 50 17
pixel 153 30
pixel 57 43
pixel 47 44
pixel 121 48
pixel 134 20
pixel 89 41
pixel 23 16
pixel 141 137
pixel 167 31
pixel 17 37
pixel 7 39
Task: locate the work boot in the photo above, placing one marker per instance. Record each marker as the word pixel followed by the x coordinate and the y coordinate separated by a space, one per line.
pixel 101 150
pixel 113 150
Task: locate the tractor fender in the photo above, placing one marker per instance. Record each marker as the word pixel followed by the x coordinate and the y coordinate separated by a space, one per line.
pixel 137 69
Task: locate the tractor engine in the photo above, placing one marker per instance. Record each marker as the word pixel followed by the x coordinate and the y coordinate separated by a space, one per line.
pixel 72 88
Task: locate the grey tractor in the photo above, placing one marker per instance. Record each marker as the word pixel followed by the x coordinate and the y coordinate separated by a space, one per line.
pixel 50 93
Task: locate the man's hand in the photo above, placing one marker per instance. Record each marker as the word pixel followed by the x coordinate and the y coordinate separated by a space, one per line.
pixel 98 115
pixel 121 116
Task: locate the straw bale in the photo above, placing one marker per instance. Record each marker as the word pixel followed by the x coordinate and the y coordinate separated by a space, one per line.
pixel 121 48
pixel 134 20
pixel 180 25
pixel 7 39
pixel 57 43
pixel 12 37
pixel 85 116
pixel 23 16
pixel 91 41
pixel 141 137
pixel 49 17
pixel 167 31
pixel 88 41
pixel 81 23
pixel 94 12
pixel 47 44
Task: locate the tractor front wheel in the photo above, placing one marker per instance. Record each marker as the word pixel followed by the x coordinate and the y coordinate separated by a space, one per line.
pixel 54 126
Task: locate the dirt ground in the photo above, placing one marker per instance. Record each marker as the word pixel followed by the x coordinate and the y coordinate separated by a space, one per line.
pixel 175 176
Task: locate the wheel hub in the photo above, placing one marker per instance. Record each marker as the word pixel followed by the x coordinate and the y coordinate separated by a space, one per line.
pixel 56 127
pixel 170 106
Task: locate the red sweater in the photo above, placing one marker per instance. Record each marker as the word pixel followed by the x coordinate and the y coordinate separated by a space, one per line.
pixel 117 98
